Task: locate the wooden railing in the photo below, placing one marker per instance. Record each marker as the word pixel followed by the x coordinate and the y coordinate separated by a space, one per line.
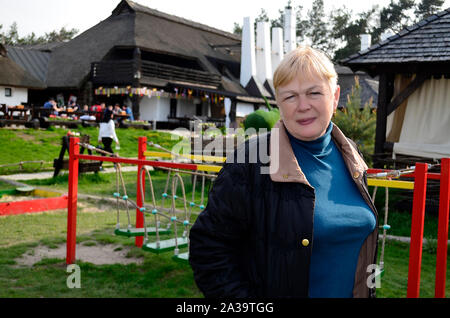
pixel 122 72
pixel 181 74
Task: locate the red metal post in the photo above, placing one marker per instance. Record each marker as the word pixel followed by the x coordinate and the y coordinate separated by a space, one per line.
pixel 74 150
pixel 142 147
pixel 418 217
pixel 441 254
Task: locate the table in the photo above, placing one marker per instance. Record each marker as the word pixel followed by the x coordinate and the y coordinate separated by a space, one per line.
pixel 18 113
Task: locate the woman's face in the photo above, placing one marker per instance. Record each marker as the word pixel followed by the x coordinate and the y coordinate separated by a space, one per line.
pixel 306 106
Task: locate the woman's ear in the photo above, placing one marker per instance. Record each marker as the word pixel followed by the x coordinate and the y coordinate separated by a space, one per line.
pixel 337 94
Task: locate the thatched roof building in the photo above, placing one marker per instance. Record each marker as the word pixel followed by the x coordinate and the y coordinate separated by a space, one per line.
pixel 138 51
pixel 161 38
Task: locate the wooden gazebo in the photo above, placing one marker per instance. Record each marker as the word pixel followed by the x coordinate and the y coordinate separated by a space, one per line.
pixel 413 112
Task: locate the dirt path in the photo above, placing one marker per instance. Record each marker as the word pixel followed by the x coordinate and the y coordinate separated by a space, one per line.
pixel 96 254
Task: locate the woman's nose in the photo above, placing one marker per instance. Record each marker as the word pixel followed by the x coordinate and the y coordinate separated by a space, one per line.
pixel 303 104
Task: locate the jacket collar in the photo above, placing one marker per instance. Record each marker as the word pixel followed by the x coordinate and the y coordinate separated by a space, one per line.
pixel 285 168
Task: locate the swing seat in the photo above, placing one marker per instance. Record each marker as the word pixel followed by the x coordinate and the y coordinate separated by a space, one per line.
pixel 133 232
pixel 25 189
pixel 182 258
pixel 166 245
pixel 379 273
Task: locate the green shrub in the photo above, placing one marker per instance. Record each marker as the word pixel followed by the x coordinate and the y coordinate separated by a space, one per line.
pixel 262 119
pixel 358 123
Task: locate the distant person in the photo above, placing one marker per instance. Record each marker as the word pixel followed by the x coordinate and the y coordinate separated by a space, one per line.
pixel 86 115
pixel 99 111
pixel 129 112
pixel 95 107
pixel 51 104
pixel 72 103
pixel 117 110
pixel 107 131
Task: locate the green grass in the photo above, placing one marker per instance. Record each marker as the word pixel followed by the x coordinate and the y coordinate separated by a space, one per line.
pixel 6 186
pixel 45 145
pixel 157 276
pixel 395 280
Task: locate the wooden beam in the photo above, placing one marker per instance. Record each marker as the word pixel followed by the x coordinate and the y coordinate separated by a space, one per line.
pixel 385 92
pixel 402 96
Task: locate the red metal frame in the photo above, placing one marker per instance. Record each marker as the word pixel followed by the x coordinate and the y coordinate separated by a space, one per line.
pixel 74 150
pixel 421 175
pixel 444 205
pixel 418 217
pixel 31 206
pixel 75 156
pixel 142 147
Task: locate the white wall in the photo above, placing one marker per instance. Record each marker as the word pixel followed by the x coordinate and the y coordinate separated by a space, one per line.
pixel 154 108
pixel 243 109
pixel 185 108
pixel 18 96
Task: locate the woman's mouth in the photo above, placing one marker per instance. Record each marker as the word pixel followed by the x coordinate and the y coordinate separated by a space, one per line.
pixel 305 121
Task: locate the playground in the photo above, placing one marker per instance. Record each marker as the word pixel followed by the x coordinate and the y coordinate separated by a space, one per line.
pixel 96 230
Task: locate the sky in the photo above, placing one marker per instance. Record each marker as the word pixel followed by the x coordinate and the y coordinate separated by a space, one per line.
pixel 43 16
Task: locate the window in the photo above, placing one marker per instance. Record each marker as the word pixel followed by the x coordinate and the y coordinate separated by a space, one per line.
pixel 8 92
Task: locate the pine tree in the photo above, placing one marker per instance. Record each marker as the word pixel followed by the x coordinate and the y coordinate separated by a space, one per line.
pixel 428 7
pixel 358 122
pixel 317 32
pixel 11 37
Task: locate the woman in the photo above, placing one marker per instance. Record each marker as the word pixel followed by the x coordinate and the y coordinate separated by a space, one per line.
pixel 307 229
pixel 107 131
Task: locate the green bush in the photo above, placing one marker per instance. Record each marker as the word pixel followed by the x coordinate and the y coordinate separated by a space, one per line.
pixel 262 119
pixel 358 123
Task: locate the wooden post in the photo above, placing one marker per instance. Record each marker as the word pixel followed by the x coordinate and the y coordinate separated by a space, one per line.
pixel 385 92
pixel 142 147
pixel 418 217
pixel 136 82
pixel 441 254
pixel 74 150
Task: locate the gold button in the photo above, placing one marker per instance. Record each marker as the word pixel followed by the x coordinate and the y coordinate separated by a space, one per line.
pixel 285 176
pixel 305 242
pixel 356 174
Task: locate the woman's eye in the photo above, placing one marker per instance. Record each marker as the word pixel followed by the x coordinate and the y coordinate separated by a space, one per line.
pixel 289 97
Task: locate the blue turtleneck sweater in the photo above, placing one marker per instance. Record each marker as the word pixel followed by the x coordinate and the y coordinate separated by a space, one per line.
pixel 342 219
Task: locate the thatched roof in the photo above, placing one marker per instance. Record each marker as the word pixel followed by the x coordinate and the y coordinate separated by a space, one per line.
pixel 132 25
pixel 11 74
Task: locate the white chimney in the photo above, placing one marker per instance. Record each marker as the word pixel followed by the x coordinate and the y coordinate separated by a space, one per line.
pixel 277 47
pixel 248 60
pixel 365 41
pixel 290 39
pixel 263 52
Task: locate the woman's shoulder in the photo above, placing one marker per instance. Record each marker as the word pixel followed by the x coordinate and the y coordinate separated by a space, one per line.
pixel 251 150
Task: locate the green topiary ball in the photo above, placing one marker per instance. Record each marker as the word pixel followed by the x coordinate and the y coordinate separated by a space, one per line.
pixel 262 119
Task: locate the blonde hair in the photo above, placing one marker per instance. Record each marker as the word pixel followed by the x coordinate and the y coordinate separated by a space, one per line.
pixel 305 62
